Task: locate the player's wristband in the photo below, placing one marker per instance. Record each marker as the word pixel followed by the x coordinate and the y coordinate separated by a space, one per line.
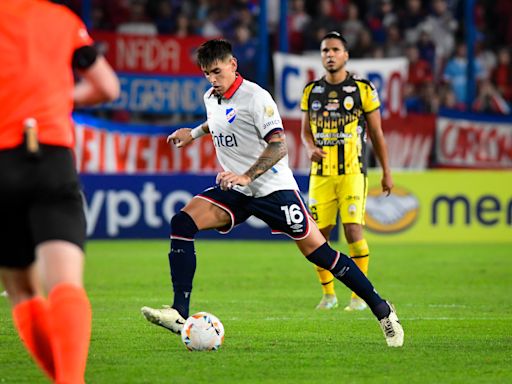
pixel 197 131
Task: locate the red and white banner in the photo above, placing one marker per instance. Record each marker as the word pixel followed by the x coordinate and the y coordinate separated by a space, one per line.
pixel 466 143
pixel 105 147
pixel 107 150
pixel 158 55
pixel 409 140
pixel 293 72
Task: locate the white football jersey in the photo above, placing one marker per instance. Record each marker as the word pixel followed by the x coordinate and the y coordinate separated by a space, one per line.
pixel 238 124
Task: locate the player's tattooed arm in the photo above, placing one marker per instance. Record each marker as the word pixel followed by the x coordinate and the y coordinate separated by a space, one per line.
pixel 275 151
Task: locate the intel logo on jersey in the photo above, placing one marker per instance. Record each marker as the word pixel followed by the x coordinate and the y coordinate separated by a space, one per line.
pixel 224 140
pixel 230 114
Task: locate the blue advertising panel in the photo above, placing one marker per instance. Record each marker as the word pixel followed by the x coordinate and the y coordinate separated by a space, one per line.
pixel 141 206
pixel 161 94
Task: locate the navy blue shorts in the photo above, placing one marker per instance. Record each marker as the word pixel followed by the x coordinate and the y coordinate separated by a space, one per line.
pixel 283 211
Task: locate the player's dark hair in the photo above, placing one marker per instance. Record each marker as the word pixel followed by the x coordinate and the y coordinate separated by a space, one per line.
pixel 213 50
pixel 335 35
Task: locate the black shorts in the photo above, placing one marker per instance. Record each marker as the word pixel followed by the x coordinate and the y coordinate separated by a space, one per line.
pixel 40 200
pixel 283 211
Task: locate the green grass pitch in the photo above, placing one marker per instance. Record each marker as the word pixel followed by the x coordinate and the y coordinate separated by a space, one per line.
pixel 454 302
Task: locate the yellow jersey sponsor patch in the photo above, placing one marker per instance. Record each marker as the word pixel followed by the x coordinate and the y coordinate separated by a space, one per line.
pixel 348 103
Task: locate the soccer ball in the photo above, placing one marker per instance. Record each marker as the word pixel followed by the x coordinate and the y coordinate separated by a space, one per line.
pixel 202 332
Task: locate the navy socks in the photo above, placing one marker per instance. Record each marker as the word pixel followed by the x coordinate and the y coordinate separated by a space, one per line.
pixel 182 260
pixel 345 270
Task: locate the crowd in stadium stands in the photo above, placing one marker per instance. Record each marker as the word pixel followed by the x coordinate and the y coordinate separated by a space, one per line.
pixel 429 33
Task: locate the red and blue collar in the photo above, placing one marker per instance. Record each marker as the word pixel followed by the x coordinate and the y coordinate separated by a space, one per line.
pixel 233 88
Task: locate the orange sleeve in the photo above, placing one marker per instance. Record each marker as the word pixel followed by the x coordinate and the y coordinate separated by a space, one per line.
pixel 81 36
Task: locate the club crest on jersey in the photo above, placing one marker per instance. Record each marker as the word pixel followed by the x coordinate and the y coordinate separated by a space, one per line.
pixel 269 111
pixel 230 114
pixel 316 105
pixel 348 103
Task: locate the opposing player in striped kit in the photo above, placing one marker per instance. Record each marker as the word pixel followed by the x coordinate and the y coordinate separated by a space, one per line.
pixel 249 140
pixel 338 110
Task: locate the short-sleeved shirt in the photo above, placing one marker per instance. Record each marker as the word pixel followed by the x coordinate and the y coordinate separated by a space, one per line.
pixel 239 123
pixel 37 42
pixel 337 121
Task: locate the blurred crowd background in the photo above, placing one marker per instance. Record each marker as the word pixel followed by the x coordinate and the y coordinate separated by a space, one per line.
pixel 445 106
pixel 429 33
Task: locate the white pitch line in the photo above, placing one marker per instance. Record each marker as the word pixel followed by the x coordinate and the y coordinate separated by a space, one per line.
pixel 442 318
pixel 447 306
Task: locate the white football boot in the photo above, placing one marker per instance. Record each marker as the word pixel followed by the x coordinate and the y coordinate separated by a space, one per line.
pixel 393 331
pixel 356 304
pixel 167 317
pixel 328 302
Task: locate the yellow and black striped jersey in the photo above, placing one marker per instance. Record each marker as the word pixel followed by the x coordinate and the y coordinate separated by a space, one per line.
pixel 337 121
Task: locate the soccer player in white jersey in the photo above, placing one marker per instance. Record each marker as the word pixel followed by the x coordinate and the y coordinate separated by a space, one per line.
pixel 248 135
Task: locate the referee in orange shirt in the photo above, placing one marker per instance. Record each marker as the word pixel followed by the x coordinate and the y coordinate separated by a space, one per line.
pixel 40 204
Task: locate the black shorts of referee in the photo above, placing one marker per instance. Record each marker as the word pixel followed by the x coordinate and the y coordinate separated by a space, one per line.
pixel 40 200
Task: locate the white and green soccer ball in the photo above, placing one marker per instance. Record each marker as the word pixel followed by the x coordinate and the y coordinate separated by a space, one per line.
pixel 202 332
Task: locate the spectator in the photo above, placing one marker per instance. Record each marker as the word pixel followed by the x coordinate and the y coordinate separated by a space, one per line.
pixel 426 47
pixel 116 12
pixel 137 23
pixel 165 18
pixel 394 46
pixel 503 10
pixel 339 9
pixel 381 20
pixel 211 26
pixel 365 46
pixel 99 19
pixel 486 57
pixel 449 100
pixel 352 26
pixel 244 17
pixel 489 100
pixel 202 10
pixel 245 49
pixel 502 74
pixel 183 26
pixel 442 26
pixel 429 100
pixel 322 23
pixel 297 21
pixel 411 98
pixel 226 21
pixel 410 20
pixel 420 70
pixel 455 73
pixel 378 52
